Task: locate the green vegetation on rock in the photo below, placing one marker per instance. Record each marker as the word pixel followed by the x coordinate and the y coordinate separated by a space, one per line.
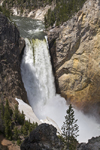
pixel 62 12
pixel 25 4
pixel 5 11
pixel 16 128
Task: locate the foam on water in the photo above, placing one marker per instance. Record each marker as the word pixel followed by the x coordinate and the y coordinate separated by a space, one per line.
pixel 34 31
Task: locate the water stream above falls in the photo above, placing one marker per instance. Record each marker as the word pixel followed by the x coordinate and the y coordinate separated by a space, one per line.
pixel 38 80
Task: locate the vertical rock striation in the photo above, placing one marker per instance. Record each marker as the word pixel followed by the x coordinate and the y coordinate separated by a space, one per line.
pixel 76 56
pixel 11 49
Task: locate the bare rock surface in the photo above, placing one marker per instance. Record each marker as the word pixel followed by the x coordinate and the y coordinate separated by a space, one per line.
pixel 42 138
pixel 35 14
pixel 75 51
pixel 7 145
pixel 11 49
pixel 93 144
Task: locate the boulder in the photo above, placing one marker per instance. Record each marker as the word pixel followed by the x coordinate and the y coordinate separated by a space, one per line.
pixel 42 138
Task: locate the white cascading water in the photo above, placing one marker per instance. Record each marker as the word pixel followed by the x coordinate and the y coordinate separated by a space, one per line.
pixel 43 69
pixel 39 83
pixel 38 80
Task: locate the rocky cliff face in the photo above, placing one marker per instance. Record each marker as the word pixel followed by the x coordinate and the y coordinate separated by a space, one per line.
pixel 11 48
pixel 93 144
pixel 35 13
pixel 42 138
pixel 75 50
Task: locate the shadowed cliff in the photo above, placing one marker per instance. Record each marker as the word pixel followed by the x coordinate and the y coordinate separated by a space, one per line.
pixel 11 49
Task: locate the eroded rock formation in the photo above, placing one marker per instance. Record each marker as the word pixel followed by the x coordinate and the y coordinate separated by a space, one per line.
pixel 11 48
pixel 75 49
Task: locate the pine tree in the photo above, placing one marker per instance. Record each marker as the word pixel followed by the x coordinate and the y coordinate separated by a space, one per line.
pixel 7 121
pixel 16 135
pixel 16 114
pixel 70 130
pixel 25 128
pixel 21 118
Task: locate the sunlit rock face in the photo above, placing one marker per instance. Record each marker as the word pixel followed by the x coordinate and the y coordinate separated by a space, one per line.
pixel 77 56
pixel 11 47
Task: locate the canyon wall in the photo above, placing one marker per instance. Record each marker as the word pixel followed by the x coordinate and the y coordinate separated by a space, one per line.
pixel 11 49
pixel 75 52
pixel 35 13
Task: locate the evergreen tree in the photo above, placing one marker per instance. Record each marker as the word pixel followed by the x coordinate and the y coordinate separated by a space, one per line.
pixel 21 118
pixel 16 135
pixel 7 121
pixel 25 128
pixel 70 130
pixel 16 114
pixel 14 123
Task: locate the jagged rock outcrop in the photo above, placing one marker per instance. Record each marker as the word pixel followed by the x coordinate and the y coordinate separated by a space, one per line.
pixel 76 56
pixel 93 144
pixel 42 138
pixel 11 49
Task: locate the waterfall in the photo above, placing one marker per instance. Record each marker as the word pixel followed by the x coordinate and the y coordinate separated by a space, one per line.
pixel 43 68
pixel 37 74
pixel 38 80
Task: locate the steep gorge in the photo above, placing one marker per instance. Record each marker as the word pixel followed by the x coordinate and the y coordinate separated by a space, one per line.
pixel 75 51
pixel 76 59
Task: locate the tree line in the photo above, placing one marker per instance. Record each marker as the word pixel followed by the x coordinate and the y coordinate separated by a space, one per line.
pixel 64 9
pixel 25 4
pixel 62 12
pixel 15 127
